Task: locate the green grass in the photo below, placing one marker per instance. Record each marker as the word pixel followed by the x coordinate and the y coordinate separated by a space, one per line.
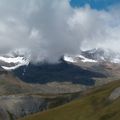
pixel 92 106
pixel 10 115
pixel 2 82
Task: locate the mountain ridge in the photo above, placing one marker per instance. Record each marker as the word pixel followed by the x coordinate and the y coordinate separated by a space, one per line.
pixel 16 59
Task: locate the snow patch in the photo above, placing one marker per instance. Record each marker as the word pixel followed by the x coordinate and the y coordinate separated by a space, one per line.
pixel 73 59
pixel 69 59
pixel 84 59
pixel 12 59
pixel 116 60
pixel 18 61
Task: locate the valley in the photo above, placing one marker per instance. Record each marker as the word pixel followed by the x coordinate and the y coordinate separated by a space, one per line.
pixel 59 60
pixel 95 105
pixel 43 87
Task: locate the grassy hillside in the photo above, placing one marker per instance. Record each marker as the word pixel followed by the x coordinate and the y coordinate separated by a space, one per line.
pixel 92 106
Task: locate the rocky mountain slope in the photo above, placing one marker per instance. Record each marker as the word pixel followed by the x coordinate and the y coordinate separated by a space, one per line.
pixel 10 63
pixel 16 59
pixel 20 105
pixel 23 83
pixel 94 105
pixel 94 56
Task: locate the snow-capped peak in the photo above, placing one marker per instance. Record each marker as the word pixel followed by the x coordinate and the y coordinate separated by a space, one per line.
pixel 12 59
pixel 15 59
pixel 101 55
pixel 11 63
pixel 94 55
pixel 76 58
pixel 68 58
pixel 84 59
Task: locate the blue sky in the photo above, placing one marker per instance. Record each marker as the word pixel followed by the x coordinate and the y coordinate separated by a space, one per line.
pixel 95 4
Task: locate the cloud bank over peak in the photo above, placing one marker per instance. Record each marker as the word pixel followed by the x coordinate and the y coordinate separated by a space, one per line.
pixel 49 29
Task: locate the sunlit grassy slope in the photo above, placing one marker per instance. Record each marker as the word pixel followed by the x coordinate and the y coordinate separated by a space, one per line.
pixel 92 106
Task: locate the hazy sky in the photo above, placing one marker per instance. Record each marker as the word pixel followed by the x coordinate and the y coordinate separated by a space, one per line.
pixel 48 29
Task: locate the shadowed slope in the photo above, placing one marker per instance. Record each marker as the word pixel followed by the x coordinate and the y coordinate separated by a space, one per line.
pixel 61 72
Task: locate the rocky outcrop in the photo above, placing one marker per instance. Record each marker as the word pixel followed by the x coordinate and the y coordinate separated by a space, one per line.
pixel 4 115
pixel 115 94
pixel 18 106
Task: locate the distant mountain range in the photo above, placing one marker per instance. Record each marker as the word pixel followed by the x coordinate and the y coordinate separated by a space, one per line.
pixel 16 60
pixel 24 84
pixel 75 69
pixel 94 55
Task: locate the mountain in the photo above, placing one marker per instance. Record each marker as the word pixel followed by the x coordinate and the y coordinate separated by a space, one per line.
pixel 88 69
pixel 94 55
pixel 72 73
pixel 14 62
pixel 24 84
pixel 14 59
pixel 27 98
pixel 18 58
pixel 95 104
pixel 84 69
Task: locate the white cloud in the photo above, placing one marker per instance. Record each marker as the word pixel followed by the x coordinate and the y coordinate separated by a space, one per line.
pixel 50 29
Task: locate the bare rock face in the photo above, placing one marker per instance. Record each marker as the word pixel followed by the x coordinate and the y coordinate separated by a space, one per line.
pixel 115 94
pixel 3 114
pixel 19 106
